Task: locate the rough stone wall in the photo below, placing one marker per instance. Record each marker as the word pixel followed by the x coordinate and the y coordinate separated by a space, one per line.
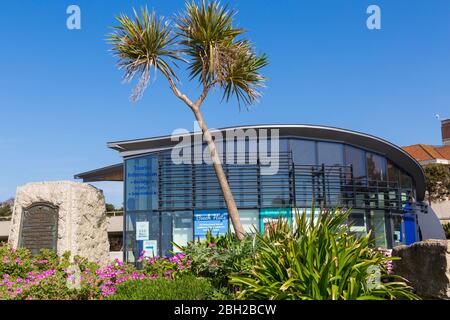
pixel 426 265
pixel 82 223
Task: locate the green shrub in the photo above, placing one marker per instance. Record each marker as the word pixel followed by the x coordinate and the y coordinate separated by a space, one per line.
pixel 447 230
pixel 187 287
pixel 166 267
pixel 319 259
pixel 15 262
pixel 218 257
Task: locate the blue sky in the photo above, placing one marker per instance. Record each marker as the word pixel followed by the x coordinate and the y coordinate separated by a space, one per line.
pixel 62 97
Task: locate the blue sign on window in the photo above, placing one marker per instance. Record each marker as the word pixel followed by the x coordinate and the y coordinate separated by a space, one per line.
pixel 141 183
pixel 214 220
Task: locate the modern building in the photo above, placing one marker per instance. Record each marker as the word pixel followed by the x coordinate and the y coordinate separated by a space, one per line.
pixel 427 154
pixel 171 193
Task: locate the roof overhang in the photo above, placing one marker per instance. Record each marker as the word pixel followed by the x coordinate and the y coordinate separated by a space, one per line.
pixel 110 173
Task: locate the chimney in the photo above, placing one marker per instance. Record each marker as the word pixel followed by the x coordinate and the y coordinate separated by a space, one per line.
pixel 445 127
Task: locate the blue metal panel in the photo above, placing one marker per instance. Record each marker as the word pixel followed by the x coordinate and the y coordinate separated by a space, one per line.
pixel 410 228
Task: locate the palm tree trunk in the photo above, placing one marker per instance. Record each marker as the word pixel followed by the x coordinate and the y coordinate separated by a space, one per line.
pixel 227 195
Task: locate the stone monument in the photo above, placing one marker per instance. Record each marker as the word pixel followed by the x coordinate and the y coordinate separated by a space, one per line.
pixel 61 216
pixel 426 265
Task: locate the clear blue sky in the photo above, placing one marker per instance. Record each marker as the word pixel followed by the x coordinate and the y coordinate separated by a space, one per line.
pixel 62 97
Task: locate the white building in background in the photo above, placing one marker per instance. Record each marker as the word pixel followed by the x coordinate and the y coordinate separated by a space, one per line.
pixel 427 154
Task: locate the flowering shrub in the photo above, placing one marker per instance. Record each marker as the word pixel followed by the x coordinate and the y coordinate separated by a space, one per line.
pixel 219 257
pixel 167 267
pixel 389 263
pixel 47 276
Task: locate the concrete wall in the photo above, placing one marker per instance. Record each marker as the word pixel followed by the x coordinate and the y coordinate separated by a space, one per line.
pixel 5 226
pixel 430 225
pixel 442 210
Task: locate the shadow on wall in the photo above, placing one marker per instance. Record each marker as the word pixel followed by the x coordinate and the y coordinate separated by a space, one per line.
pixel 430 226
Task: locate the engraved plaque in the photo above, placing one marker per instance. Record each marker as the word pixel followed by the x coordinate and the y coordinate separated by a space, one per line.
pixel 39 227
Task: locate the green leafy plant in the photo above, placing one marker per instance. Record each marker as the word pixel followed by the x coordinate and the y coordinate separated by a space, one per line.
pixel 187 287
pixel 447 230
pixel 317 259
pixel 167 267
pixel 217 257
pixel 438 181
pixel 5 210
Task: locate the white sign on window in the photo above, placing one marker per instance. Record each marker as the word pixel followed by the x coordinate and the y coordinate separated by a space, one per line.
pixel 142 230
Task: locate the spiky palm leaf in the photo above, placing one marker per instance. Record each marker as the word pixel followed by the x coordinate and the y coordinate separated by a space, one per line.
pixel 217 56
pixel 142 44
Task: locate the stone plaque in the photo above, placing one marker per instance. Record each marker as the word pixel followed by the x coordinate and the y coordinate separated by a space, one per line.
pixel 39 227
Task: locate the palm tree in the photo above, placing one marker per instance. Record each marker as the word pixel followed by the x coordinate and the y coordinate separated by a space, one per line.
pixel 214 53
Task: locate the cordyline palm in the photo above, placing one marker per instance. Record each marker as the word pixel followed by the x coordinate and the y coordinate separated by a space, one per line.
pixel 205 39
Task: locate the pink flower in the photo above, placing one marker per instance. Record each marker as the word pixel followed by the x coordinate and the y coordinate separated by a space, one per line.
pixel 181 255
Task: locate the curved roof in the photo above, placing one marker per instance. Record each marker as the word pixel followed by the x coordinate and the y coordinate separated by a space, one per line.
pixel 394 153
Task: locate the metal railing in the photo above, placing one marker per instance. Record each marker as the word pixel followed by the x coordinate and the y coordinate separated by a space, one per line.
pixel 195 186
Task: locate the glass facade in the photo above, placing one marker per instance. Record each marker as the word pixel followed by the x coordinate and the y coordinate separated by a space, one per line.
pixel 170 203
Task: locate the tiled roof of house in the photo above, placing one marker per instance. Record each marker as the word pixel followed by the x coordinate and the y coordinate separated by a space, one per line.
pixel 425 152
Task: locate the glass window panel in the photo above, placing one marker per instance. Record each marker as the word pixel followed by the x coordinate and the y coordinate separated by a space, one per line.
pixel 357 159
pixel 330 154
pixel 275 188
pixel 134 247
pixel 393 173
pixel 398 235
pixel 376 167
pixel 249 220
pixel 303 152
pixel 406 181
pixel 243 180
pixel 358 223
pixel 378 223
pixel 177 227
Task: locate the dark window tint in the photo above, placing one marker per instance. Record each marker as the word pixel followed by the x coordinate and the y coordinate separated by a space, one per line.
pixel 356 158
pixel 393 173
pixel 303 152
pixel 376 167
pixel 405 181
pixel 330 154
